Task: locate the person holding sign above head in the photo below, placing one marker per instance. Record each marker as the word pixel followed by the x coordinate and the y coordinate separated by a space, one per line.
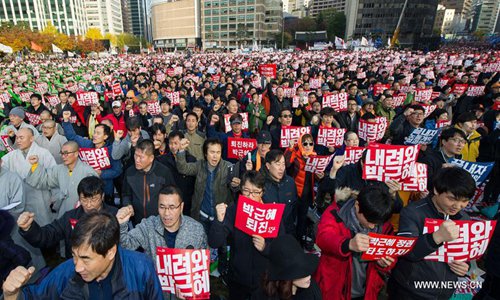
pixel 453 187
pixel 248 253
pixel 236 131
pixel 343 236
pixel 100 269
pixel 102 138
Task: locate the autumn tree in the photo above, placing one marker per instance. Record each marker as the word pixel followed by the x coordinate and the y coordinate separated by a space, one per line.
pixel 94 33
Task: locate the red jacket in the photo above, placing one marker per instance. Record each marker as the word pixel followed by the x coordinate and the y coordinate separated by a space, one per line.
pixel 118 124
pixel 334 270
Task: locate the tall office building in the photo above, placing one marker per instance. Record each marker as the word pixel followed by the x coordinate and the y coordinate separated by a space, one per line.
pixel 140 17
pixel 380 17
pixel 68 16
pixel 319 5
pixel 444 20
pixel 486 16
pixel 235 23
pixel 463 13
pixel 126 16
pixel 105 15
pixel 176 24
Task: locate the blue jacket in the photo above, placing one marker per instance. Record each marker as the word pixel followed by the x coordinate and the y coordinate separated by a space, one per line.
pixel 107 175
pixel 134 277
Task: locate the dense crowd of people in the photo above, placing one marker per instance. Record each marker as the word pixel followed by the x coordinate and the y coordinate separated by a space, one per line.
pixel 161 125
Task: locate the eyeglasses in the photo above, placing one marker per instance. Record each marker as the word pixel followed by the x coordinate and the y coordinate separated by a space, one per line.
pixel 171 207
pixel 417 113
pixel 247 192
pixel 63 153
pixel 91 200
pixel 286 116
pixel 458 141
pixel 305 144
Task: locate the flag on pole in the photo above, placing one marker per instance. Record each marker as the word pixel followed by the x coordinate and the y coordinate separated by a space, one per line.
pixel 36 47
pixel 56 49
pixel 364 41
pixel 71 54
pixel 5 48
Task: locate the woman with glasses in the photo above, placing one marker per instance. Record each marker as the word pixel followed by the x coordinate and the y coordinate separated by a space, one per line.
pixel 295 157
pixel 248 259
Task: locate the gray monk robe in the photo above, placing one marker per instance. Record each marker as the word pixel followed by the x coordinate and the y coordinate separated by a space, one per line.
pixel 60 177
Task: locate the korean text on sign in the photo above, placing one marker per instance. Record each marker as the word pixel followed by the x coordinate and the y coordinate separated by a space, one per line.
pixel 471 244
pixel 98 159
pixel 317 164
pixel 330 137
pixel 421 136
pixel 267 70
pixel 239 147
pixel 174 97
pixel 262 219
pixel 380 88
pixel 34 119
pixel 353 155
pixel 389 162
pixel 337 101
pixel 478 170
pixel 372 132
pixel 292 133
pixel 87 98
pixel 418 181
pixel 153 107
pixel 244 125
pixel 443 123
pixel 382 246
pixel 185 270
pixel 423 95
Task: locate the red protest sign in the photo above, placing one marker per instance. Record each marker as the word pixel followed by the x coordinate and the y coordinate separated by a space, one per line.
pixel 160 77
pixel 429 108
pixel 34 119
pixel 398 99
pixel 98 159
pixel 423 95
pixel 315 83
pixel 292 133
pixel 475 90
pixel 170 72
pixel 87 98
pixel 380 88
pixel 153 107
pixel 337 101
pixel 317 164
pixel 4 98
pixel 471 244
pixel 418 180
pixel 330 137
pixel 353 155
pixel 53 100
pixel 262 219
pixel 117 89
pixel 244 125
pixel 443 123
pixel 174 97
pixel 296 101
pixel 372 132
pixel 25 96
pixel 4 139
pixel 459 88
pixel 382 246
pixel 442 82
pixel 389 162
pixel 267 70
pixel 239 147
pixel 184 270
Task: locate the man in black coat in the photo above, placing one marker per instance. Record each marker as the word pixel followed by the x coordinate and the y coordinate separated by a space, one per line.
pixel 91 197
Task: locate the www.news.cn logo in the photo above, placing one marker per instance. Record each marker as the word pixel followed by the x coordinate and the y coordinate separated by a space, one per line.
pixel 466 285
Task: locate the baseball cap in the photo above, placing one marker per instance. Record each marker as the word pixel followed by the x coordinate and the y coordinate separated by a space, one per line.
pixel 264 137
pixel 236 119
pixel 116 104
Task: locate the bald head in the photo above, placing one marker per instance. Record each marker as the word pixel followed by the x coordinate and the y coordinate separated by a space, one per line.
pixel 24 138
pixel 72 145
